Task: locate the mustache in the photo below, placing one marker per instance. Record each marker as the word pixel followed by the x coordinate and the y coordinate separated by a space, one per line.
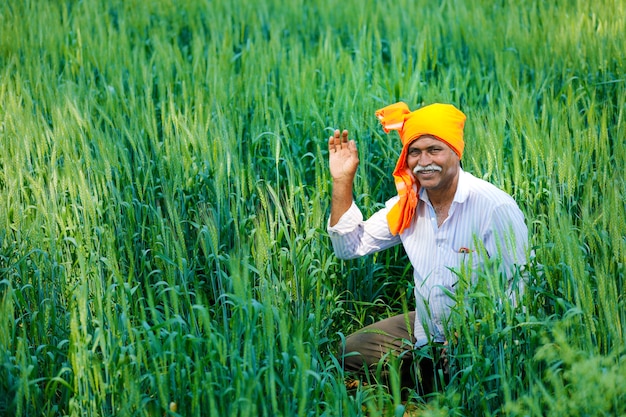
pixel 430 167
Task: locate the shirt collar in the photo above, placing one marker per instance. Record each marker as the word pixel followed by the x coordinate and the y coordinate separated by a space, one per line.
pixel 462 191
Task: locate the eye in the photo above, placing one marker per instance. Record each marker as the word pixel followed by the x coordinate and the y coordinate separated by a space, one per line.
pixel 414 152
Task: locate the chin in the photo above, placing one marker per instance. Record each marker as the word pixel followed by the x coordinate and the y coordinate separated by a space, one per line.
pixel 428 185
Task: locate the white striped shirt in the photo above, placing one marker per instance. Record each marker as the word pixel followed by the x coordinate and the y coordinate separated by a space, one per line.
pixel 481 218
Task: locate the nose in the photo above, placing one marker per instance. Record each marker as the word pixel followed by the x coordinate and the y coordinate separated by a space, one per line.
pixel 424 159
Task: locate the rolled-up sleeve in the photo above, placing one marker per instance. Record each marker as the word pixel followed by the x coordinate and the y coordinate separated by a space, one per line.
pixel 352 237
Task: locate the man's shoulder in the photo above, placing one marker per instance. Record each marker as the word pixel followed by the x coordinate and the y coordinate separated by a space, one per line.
pixel 478 188
pixel 391 202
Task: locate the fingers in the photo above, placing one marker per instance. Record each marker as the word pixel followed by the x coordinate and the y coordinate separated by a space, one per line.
pixel 337 139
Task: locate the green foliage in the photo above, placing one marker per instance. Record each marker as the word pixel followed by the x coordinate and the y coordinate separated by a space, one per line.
pixel 164 193
pixel 576 382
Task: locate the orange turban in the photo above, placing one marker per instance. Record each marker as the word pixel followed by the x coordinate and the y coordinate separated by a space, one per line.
pixel 443 121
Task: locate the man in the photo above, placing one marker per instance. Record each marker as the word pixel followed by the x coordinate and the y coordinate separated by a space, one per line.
pixel 447 220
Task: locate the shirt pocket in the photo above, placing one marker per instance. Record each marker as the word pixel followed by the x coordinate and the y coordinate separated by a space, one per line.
pixel 460 263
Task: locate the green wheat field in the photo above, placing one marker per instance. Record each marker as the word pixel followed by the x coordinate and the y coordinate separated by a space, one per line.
pixel 164 193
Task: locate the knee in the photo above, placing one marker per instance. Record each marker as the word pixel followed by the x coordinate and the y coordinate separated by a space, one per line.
pixel 352 353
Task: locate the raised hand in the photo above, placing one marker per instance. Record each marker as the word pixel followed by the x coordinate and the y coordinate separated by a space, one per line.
pixel 343 157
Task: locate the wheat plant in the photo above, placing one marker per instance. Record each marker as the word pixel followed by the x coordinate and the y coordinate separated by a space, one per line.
pixel 164 192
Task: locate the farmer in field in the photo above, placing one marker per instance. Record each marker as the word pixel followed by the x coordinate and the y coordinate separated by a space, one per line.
pixel 446 219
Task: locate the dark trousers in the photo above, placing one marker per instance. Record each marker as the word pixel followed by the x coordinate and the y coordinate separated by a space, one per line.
pixel 369 352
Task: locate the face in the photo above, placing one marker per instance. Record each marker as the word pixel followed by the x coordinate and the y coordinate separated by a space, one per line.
pixel 434 164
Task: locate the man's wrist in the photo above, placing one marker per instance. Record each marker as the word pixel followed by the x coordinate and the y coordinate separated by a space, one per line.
pixel 343 182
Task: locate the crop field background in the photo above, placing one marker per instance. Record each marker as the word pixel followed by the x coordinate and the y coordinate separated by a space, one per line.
pixel 164 193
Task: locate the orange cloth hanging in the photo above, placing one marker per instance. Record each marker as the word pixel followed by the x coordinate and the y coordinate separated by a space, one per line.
pixel 443 121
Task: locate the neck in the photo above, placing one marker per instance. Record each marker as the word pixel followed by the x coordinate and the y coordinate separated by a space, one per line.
pixel 443 196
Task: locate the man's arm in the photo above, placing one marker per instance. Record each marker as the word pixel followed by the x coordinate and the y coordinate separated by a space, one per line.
pixel 343 162
pixel 509 237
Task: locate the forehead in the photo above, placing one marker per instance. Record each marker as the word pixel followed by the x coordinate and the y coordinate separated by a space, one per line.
pixel 427 141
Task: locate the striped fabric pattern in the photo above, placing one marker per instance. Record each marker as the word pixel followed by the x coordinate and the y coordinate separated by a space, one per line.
pixel 482 219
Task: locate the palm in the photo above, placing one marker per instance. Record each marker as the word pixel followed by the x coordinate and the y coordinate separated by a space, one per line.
pixel 343 156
